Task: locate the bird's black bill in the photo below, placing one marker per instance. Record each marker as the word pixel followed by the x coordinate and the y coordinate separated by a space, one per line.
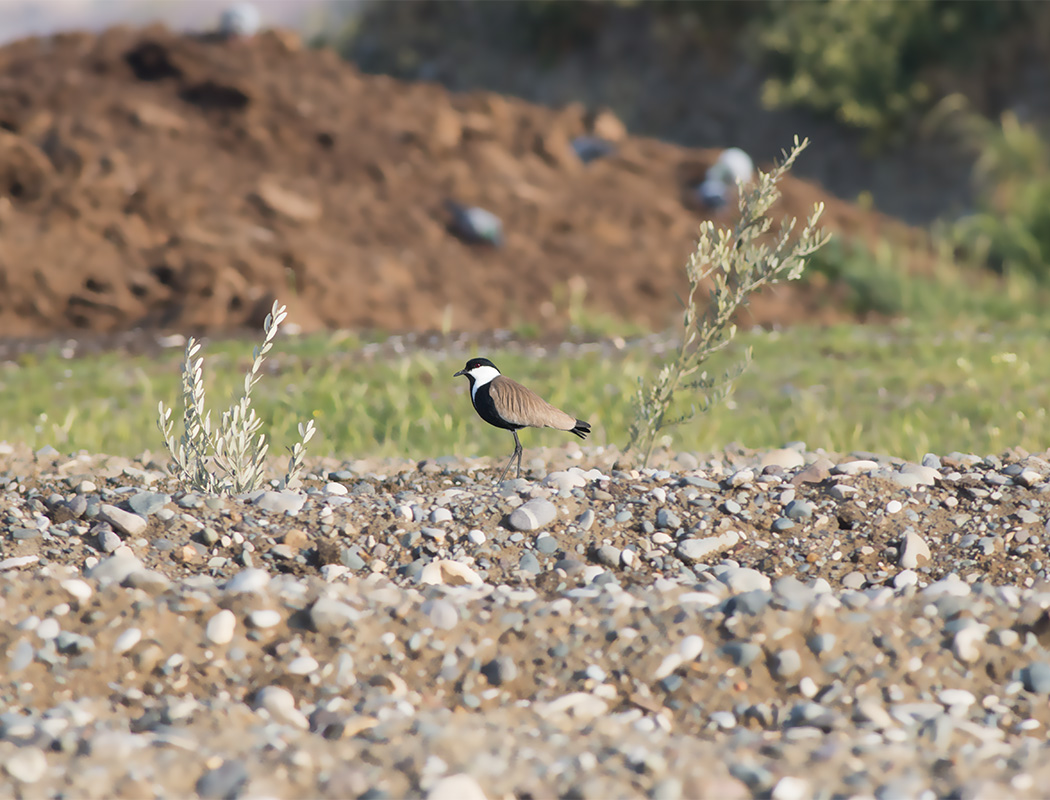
pixel 461 372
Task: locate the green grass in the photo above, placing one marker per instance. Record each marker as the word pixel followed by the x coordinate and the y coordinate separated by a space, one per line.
pixel 901 389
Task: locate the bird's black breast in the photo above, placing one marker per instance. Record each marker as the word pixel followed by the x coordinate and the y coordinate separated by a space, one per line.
pixel 487 410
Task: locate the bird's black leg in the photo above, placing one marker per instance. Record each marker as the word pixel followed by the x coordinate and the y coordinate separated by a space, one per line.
pixel 517 449
pixel 517 452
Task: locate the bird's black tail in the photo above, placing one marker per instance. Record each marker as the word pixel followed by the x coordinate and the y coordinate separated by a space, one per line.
pixel 581 428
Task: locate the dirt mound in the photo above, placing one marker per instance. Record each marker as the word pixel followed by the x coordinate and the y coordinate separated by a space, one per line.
pixel 152 179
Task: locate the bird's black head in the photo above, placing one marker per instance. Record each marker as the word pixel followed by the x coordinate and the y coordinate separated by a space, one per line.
pixel 473 365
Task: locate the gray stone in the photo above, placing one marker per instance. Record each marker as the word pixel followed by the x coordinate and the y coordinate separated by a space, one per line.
pixel 821 643
pixel 115 568
pixel 667 520
pixel 529 563
pixel 547 545
pixel 441 613
pixel 146 504
pixel 225 782
pixel 608 556
pixel 744 579
pixel 1036 677
pixel 741 653
pixel 500 670
pixel 585 520
pixel 785 664
pixel 532 515
pixel 124 521
pixel 286 502
pixel 697 549
pixel 798 509
pixel 731 507
pixel 331 616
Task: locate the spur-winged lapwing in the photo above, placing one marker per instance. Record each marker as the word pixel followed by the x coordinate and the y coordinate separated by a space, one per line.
pixel 509 405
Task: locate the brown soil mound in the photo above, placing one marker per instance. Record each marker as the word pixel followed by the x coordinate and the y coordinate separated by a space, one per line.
pixel 152 179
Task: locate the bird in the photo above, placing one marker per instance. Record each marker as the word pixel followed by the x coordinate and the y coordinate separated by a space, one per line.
pixel 475 225
pixel 240 21
pixel 509 405
pixel 733 167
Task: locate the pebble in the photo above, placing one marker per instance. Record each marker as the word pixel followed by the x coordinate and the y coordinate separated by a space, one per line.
pixel 115 568
pixel 791 788
pixel 124 521
pixel 439 515
pixel 534 514
pixel 1036 677
pixel 146 504
pixel 286 502
pixel 609 556
pixel 893 507
pixel 914 551
pixel 328 615
pixel 303 665
pixel 220 628
pixel 966 643
pixel 666 519
pixel 224 782
pixel 698 549
pixel 442 614
pixel 248 580
pixel 786 664
pixel 798 510
pixel 264 618
pixel 127 640
pixel 585 520
pixel 280 705
pixel 26 765
pixel 456 787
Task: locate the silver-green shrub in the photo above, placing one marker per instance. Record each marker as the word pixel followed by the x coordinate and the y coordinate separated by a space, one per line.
pixel 230 458
pixel 733 263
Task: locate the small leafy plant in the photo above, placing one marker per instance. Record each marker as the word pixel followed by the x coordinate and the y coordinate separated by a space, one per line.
pixel 734 264
pixel 230 458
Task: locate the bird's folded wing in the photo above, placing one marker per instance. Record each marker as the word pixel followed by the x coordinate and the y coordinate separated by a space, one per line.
pixel 521 406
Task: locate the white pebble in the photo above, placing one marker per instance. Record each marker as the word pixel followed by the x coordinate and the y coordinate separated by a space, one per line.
pixel 27 765
pixel 48 628
pixel 220 628
pixel 335 488
pixel 303 665
pixel 264 618
pixel 81 590
pixel 247 580
pixel 893 506
pixel 440 515
pixel 956 697
pixel 280 705
pixel 476 537
pixel 808 687
pixel 791 788
pixel 690 647
pixel 127 640
pixel 456 787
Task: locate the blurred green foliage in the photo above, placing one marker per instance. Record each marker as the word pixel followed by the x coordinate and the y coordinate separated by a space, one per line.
pixel 1010 229
pixel 872 65
pixel 866 63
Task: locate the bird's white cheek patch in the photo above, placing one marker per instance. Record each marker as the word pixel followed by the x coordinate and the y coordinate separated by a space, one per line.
pixel 482 375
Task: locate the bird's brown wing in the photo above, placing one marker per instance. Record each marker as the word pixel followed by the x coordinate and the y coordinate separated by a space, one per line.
pixel 522 406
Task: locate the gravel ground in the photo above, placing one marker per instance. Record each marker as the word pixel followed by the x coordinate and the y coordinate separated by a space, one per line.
pixel 785 624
